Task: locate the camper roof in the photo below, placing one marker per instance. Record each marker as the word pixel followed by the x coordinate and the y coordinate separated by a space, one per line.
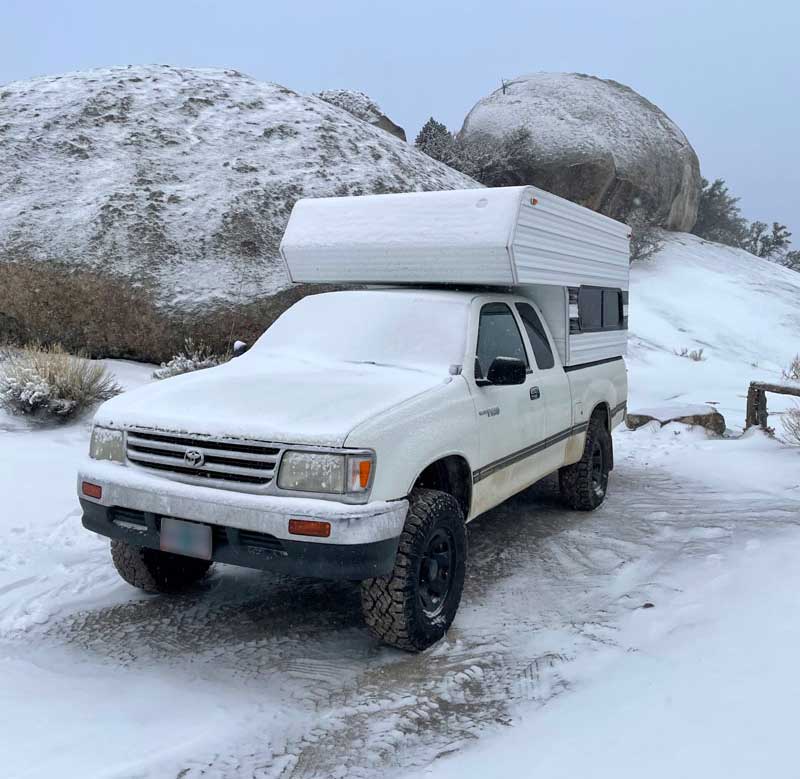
pixel 505 236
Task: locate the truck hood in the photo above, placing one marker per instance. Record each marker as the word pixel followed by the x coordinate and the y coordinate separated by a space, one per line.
pixel 276 400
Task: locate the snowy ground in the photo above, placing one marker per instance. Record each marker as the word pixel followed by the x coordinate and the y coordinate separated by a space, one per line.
pixel 253 674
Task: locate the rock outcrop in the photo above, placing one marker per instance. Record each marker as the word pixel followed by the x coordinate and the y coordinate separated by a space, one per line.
pixel 181 180
pixel 363 107
pixel 598 143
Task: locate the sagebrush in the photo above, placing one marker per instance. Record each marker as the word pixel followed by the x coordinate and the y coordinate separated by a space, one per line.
pixel 193 357
pixel 791 424
pixel 792 372
pixel 48 382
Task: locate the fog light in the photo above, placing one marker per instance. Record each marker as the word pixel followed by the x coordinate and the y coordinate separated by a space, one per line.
pixel 309 527
pixel 92 490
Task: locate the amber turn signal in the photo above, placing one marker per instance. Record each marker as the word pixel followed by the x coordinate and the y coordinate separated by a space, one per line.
pixel 92 490
pixel 309 527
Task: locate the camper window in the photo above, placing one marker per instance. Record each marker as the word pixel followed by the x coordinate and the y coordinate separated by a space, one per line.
pixel 599 309
pixel 612 308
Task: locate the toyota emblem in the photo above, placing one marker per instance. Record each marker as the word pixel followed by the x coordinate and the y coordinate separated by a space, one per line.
pixel 194 458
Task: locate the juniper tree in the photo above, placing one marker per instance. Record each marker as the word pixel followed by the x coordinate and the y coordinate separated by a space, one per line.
pixel 763 242
pixel 718 215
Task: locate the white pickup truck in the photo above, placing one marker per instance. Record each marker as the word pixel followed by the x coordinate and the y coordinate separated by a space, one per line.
pixel 357 437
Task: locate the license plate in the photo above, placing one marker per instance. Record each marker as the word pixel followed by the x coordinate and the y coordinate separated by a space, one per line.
pixel 186 538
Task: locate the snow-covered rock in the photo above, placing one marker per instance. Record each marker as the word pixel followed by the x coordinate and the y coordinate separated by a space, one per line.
pixel 363 107
pixel 180 178
pixel 598 143
pixel 703 415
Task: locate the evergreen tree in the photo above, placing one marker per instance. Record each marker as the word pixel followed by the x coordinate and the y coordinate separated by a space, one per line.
pixel 763 242
pixel 718 215
pixel 436 141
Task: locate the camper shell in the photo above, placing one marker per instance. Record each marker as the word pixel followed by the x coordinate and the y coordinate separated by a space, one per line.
pixel 573 262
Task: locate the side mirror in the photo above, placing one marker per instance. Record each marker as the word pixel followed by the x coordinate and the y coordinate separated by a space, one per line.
pixel 507 370
pixel 239 348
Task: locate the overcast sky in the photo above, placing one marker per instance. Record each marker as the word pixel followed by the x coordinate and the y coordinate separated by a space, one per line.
pixel 727 72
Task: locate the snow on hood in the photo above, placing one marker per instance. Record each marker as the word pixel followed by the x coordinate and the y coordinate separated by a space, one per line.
pixel 277 400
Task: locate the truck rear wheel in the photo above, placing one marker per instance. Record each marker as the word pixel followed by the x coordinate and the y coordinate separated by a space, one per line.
pixel 584 484
pixel 414 605
pixel 154 571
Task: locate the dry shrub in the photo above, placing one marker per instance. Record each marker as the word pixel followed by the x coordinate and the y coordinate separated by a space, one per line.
pixel 791 424
pixel 695 355
pixel 83 311
pixel 193 357
pixel 792 373
pixel 47 382
pixel 100 316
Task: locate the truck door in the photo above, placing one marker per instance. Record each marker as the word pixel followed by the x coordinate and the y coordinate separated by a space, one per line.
pixel 511 419
pixel 554 389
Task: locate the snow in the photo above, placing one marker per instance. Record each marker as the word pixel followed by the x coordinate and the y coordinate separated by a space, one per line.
pixel 741 310
pixel 251 674
pixel 418 330
pixel 705 687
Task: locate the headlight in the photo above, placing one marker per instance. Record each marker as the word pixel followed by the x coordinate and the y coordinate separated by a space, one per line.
pixel 335 474
pixel 107 444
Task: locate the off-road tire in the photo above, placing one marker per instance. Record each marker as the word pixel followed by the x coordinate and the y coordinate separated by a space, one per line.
pixel 582 487
pixel 154 571
pixel 393 605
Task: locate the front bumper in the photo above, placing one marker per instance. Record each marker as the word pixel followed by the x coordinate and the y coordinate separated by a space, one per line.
pixel 248 530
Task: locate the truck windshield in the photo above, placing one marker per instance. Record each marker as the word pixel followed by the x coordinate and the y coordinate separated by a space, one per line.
pixel 408 328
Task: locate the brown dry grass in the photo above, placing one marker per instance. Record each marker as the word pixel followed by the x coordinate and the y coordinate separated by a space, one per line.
pixel 99 316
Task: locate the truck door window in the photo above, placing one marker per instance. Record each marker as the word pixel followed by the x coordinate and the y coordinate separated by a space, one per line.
pixel 498 336
pixel 542 352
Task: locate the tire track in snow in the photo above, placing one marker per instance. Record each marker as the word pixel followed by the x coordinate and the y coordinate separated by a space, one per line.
pixel 546 588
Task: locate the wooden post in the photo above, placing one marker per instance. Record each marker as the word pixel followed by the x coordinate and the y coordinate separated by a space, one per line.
pixel 757 401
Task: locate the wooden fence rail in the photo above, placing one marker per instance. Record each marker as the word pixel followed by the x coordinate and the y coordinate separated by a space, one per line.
pixel 757 401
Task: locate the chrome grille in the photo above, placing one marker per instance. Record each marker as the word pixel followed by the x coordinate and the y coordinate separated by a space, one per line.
pixel 239 462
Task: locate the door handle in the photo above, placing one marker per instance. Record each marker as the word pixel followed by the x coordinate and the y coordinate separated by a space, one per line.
pixel 535 393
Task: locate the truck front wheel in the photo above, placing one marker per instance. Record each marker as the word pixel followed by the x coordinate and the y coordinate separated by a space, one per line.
pixel 584 484
pixel 415 604
pixel 154 571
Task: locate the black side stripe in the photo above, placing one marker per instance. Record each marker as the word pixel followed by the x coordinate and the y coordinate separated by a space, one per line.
pixel 568 368
pixel 621 407
pixel 529 451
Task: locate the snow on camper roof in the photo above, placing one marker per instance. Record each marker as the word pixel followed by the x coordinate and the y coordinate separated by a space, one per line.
pixel 504 236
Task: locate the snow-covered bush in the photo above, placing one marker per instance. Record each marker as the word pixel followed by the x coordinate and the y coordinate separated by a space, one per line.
pixel 695 355
pixel 791 424
pixel 193 357
pixel 47 382
pixel 354 102
pixel 792 373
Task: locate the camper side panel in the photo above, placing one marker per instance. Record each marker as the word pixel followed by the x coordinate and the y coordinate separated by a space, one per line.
pixel 553 302
pixel 561 243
